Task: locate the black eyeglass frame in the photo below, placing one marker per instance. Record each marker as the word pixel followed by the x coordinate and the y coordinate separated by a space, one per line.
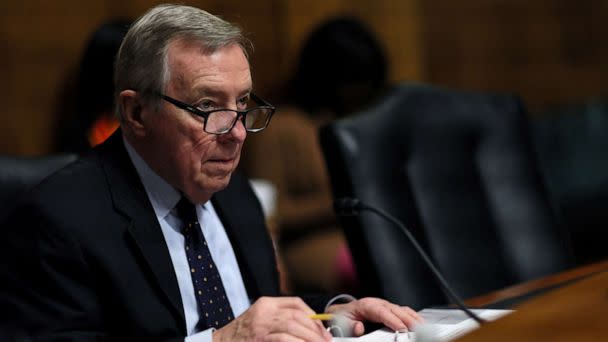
pixel 262 104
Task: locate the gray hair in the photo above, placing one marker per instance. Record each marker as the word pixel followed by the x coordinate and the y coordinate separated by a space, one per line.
pixel 141 63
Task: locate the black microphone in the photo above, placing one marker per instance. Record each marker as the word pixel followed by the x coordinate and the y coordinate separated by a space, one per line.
pixel 348 206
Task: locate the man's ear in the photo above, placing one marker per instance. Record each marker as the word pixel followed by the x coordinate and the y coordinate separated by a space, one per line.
pixel 131 106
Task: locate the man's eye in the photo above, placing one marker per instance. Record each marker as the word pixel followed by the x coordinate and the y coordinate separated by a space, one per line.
pixel 205 105
pixel 243 102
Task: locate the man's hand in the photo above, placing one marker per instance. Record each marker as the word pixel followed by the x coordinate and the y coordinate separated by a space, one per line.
pixel 274 319
pixel 376 310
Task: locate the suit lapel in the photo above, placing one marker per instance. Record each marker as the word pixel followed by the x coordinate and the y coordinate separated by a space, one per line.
pixel 244 252
pixel 236 206
pixel 130 198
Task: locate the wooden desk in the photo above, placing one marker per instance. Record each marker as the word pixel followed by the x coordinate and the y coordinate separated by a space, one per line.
pixel 576 312
pixel 537 284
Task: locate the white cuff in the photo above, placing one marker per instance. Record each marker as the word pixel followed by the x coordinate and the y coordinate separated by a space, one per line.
pixel 203 336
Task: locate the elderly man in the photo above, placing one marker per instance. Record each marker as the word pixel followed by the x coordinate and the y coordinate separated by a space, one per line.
pixel 151 236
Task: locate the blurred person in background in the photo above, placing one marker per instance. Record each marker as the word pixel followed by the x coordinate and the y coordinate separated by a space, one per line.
pixel 86 110
pixel 341 68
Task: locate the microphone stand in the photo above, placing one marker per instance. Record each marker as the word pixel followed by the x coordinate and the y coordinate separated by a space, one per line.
pixel 353 206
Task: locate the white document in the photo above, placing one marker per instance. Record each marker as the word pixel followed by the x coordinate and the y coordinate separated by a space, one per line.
pixel 440 325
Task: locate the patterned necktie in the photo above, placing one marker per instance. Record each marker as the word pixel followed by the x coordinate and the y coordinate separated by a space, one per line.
pixel 213 305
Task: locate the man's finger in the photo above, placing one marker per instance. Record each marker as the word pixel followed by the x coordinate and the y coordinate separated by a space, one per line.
pixel 294 303
pixel 358 328
pixel 407 317
pixel 392 320
pixel 414 314
pixel 302 326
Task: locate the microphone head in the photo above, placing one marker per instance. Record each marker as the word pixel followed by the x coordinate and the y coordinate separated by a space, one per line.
pixel 347 206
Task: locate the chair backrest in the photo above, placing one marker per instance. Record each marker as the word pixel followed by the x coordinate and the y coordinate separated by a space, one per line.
pixel 18 174
pixel 571 142
pixel 457 168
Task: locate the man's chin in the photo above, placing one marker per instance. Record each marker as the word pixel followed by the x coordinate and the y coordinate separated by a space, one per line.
pixel 216 183
pixel 221 183
pixel 202 190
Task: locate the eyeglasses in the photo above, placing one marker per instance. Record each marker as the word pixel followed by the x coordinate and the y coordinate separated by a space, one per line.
pixel 220 121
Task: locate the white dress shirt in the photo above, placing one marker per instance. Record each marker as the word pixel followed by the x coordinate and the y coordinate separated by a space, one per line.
pixel 164 198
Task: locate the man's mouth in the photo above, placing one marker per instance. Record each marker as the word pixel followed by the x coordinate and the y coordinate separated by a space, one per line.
pixel 222 160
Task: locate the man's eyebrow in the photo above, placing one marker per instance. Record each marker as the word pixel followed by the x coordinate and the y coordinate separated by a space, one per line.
pixel 247 91
pixel 209 91
pixel 206 91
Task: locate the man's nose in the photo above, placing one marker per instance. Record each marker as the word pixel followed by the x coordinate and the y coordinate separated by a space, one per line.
pixel 238 131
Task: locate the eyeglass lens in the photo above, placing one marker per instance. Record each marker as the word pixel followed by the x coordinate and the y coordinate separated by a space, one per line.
pixel 222 121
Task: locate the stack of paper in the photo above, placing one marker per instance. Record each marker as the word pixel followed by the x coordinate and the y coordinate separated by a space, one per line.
pixel 440 325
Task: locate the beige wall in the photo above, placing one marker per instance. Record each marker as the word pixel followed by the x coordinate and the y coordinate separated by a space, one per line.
pixel 548 51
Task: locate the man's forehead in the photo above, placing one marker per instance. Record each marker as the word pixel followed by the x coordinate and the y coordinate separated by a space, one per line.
pixel 181 47
pixel 190 59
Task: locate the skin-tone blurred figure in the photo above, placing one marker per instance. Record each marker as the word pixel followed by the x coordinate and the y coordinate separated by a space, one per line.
pixel 86 109
pixel 341 68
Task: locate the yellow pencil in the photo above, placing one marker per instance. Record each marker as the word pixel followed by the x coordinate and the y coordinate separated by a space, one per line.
pixel 322 316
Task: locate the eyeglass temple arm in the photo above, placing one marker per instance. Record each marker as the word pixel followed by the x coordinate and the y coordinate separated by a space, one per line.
pixel 260 100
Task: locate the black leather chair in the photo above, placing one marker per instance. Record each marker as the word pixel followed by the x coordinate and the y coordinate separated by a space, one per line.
pixel 571 142
pixel 18 174
pixel 457 168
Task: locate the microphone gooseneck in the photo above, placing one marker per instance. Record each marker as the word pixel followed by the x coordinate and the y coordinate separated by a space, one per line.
pixel 352 206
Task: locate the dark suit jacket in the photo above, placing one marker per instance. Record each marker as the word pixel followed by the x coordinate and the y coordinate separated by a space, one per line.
pixel 84 257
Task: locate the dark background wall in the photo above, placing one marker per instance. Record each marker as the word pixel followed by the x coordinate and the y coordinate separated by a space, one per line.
pixel 548 51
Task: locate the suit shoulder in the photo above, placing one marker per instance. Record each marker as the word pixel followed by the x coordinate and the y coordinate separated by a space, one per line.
pixel 75 192
pixel 78 179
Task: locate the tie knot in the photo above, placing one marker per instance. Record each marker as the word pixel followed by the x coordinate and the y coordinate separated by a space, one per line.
pixel 186 212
